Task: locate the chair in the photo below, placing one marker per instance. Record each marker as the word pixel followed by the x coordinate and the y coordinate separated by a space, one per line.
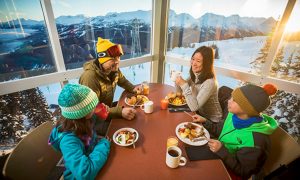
pixel 32 158
pixel 224 95
pixel 284 149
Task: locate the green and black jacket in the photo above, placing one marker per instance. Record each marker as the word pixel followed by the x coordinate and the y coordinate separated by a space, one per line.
pixel 104 85
pixel 245 150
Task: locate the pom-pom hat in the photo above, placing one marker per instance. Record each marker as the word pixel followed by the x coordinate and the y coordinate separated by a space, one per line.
pixel 107 50
pixel 254 99
pixel 77 101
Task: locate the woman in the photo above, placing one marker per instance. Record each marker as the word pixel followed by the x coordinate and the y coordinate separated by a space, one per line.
pixel 74 135
pixel 201 89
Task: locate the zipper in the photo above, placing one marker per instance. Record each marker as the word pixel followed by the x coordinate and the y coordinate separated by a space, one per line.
pixel 226 133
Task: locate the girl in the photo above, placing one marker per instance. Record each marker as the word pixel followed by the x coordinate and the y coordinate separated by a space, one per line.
pixel 84 154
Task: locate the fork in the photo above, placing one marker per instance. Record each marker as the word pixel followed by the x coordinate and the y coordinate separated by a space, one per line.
pixel 133 144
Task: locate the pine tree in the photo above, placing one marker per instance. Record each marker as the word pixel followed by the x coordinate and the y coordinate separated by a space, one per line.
pixel 36 107
pixel 11 121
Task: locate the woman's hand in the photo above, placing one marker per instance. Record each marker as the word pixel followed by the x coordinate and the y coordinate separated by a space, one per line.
pixel 179 81
pixel 214 145
pixel 198 119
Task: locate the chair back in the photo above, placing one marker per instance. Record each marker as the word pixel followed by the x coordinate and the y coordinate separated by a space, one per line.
pixel 32 158
pixel 284 149
pixel 224 94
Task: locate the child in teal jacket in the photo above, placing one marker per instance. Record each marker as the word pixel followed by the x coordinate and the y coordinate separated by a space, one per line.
pixel 243 140
pixel 74 136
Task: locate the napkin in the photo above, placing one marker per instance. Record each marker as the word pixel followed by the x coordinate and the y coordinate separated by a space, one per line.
pixel 200 153
pixel 173 108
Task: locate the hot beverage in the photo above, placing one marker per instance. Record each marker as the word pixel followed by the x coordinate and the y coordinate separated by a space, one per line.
pixel 173 153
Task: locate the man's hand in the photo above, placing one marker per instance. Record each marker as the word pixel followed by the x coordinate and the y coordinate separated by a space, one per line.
pixel 198 119
pixel 128 113
pixel 138 89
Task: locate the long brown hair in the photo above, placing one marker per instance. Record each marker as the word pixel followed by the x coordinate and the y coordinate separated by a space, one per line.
pixel 80 127
pixel 207 71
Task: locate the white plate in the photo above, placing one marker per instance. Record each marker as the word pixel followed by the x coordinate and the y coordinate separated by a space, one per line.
pixel 175 104
pixel 187 140
pixel 126 100
pixel 125 129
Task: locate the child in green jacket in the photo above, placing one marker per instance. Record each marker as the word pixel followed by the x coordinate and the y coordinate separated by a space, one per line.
pixel 243 142
pixel 74 136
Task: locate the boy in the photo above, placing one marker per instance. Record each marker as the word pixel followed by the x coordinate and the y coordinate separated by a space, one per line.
pixel 243 142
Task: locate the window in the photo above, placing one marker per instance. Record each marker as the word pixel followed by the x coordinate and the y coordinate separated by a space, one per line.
pixel 286 64
pixel 80 24
pixel 136 75
pixel 237 30
pixel 24 45
pixel 23 111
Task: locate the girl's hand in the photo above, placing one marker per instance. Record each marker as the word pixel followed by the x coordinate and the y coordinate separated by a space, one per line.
pixel 179 81
pixel 198 119
pixel 108 138
pixel 214 145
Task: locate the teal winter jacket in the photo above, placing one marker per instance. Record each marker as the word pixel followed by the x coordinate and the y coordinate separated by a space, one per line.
pixel 81 162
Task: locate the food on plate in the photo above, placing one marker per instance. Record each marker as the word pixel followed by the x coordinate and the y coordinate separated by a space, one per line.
pixel 176 98
pixel 137 98
pixel 125 137
pixel 191 131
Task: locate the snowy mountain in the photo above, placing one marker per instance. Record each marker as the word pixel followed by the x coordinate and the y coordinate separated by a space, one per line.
pixel 68 20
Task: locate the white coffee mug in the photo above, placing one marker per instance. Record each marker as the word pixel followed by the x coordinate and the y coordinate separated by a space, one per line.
pixel 174 158
pixel 174 74
pixel 147 107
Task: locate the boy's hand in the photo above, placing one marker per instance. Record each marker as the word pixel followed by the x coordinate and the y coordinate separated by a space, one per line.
pixel 198 119
pixel 214 145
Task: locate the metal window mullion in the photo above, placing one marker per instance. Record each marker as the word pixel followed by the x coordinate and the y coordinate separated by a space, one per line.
pixel 159 25
pixel 278 34
pixel 53 35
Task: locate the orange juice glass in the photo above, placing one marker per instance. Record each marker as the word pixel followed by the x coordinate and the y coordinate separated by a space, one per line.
pixel 172 141
pixel 145 88
pixel 164 104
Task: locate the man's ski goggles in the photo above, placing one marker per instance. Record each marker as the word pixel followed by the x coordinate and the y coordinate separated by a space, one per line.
pixel 113 51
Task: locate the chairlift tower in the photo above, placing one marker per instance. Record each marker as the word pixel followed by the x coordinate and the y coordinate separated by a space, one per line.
pixel 136 43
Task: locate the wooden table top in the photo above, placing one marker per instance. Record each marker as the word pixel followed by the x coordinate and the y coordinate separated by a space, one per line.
pixel 148 159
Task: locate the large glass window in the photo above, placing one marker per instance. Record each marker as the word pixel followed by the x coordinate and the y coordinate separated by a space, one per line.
pixel 286 64
pixel 24 45
pixel 23 111
pixel 80 24
pixel 239 30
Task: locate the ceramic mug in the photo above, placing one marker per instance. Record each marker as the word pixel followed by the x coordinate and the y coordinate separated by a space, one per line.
pixel 174 74
pixel 147 107
pixel 174 158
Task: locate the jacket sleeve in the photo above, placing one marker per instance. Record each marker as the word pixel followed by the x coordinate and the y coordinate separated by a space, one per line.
pixel 213 128
pixel 83 166
pixel 203 95
pixel 89 79
pixel 115 112
pixel 124 83
pixel 246 161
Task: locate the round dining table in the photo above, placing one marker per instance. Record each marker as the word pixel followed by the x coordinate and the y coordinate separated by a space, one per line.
pixel 148 159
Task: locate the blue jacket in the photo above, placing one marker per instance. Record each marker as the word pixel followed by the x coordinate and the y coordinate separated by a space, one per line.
pixel 80 162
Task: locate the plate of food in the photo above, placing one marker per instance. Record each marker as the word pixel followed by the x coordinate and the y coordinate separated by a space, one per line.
pixel 176 99
pixel 192 133
pixel 139 99
pixel 125 136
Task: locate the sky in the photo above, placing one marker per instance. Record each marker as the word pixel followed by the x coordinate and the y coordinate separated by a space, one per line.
pixel 30 9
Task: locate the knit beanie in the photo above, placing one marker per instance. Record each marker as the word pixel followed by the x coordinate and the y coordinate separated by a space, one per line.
pixel 76 101
pixel 254 99
pixel 103 45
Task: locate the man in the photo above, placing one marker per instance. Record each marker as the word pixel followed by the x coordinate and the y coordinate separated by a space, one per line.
pixel 103 75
